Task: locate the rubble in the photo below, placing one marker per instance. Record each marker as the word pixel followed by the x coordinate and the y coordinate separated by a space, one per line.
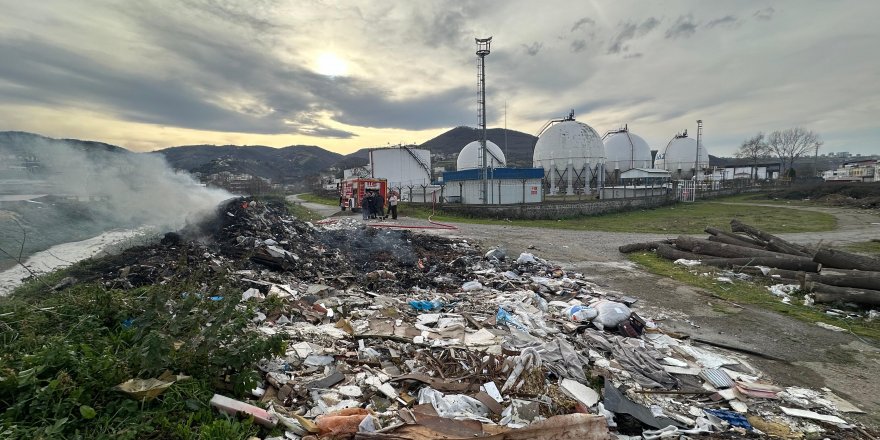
pixel 392 334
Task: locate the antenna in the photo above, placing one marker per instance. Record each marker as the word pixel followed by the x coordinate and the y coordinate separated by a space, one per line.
pixel 483 50
pixel 699 138
pixel 505 131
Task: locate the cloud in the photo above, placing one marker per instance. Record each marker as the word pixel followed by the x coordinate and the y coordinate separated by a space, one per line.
pixel 581 23
pixel 578 46
pixel 727 20
pixel 683 27
pixel 629 31
pixel 765 14
pixel 533 49
pixel 633 55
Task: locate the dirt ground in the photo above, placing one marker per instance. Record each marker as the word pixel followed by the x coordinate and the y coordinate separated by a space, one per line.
pixel 813 357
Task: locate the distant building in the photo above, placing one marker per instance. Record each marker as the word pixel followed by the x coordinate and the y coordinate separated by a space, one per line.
pixel 855 171
pixel 505 186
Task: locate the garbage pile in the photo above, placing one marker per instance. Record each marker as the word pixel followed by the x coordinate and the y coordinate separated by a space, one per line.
pixel 395 335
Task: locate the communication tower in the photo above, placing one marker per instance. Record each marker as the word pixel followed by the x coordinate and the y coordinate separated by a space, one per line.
pixel 482 51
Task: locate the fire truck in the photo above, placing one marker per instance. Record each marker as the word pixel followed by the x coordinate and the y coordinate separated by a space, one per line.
pixel 352 191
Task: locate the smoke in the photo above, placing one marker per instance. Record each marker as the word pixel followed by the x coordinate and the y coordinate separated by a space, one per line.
pixel 111 187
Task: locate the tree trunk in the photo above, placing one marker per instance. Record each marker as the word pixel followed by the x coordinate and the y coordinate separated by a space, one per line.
pixel 733 241
pixel 706 247
pixel 773 242
pixel 645 246
pixel 744 238
pixel 862 281
pixel 846 260
pixel 671 253
pixel 826 294
pixel 788 263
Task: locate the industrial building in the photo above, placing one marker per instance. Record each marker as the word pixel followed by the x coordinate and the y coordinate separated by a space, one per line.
pixel 407 170
pixel 572 155
pixel 624 150
pixel 505 185
pixel 683 157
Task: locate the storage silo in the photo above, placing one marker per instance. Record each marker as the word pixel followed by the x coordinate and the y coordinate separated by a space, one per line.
pixel 680 157
pixel 572 155
pixel 469 157
pixel 625 150
pixel 403 166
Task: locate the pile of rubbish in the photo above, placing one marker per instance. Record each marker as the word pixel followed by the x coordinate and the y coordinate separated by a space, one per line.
pixel 396 335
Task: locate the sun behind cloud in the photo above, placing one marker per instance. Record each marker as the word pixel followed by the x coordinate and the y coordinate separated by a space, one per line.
pixel 330 64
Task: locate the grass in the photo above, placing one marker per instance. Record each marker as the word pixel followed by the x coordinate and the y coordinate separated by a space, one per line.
pixel 871 248
pixel 682 218
pixel 761 198
pixel 303 213
pixel 743 292
pixel 316 198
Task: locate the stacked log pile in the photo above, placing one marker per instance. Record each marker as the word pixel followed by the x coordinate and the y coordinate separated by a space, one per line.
pixel 832 275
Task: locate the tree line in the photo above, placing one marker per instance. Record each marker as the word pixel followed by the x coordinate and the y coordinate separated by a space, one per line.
pixel 786 145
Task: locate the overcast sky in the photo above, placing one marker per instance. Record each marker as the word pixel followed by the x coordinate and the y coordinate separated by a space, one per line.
pixel 149 74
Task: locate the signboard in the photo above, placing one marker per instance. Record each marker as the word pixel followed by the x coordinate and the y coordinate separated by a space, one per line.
pixel 534 190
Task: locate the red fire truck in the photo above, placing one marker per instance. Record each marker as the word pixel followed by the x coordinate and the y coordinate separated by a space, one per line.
pixel 352 191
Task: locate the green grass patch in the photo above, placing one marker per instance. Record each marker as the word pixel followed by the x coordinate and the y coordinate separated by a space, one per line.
pixel 764 199
pixel 682 218
pixel 303 213
pixel 871 248
pixel 755 293
pixel 317 198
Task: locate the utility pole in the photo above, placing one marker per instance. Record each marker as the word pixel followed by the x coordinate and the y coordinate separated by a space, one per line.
pixel 482 51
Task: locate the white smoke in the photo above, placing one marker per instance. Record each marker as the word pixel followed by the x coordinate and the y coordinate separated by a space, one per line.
pixel 124 189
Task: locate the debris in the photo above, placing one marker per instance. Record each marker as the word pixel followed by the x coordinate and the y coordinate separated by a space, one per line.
pixel 580 392
pixel 148 389
pixel 812 415
pixel 830 327
pixel 234 407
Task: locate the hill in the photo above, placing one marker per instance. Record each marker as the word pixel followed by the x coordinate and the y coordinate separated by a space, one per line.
pixel 284 165
pixel 24 143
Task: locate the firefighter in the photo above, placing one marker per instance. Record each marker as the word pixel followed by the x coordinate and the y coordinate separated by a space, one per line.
pixel 367 204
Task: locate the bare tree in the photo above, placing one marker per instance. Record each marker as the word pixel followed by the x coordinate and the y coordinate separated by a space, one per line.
pixel 788 145
pixel 754 148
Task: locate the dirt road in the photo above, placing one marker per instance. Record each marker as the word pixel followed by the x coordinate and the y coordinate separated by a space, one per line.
pixel 322 209
pixel 813 357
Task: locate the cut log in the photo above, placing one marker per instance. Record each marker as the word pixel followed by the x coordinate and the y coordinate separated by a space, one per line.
pixel 792 263
pixel 871 281
pixel 846 260
pixel 706 247
pixel 745 238
pixel 645 246
pixel 733 241
pixel 789 264
pixel 773 242
pixel 826 294
pixel 671 253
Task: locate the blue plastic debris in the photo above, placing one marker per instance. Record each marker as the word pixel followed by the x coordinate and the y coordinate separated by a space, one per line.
pixel 731 417
pixel 425 306
pixel 128 322
pixel 503 317
pixel 216 298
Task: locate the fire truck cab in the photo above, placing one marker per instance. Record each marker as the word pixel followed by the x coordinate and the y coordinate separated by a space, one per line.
pixel 353 191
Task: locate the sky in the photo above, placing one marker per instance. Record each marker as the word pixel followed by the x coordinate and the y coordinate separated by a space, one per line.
pixel 151 74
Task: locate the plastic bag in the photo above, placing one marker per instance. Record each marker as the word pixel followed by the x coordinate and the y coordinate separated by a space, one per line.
pixel 610 313
pixel 580 313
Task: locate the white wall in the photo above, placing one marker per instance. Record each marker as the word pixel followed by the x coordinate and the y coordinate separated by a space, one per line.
pixel 399 167
pixel 502 192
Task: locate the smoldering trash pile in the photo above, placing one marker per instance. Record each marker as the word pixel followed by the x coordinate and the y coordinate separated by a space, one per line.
pixel 396 335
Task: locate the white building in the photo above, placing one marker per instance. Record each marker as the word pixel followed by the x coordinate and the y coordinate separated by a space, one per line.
pixel 505 186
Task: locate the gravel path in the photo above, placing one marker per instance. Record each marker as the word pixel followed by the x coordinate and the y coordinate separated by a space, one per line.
pixel 325 210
